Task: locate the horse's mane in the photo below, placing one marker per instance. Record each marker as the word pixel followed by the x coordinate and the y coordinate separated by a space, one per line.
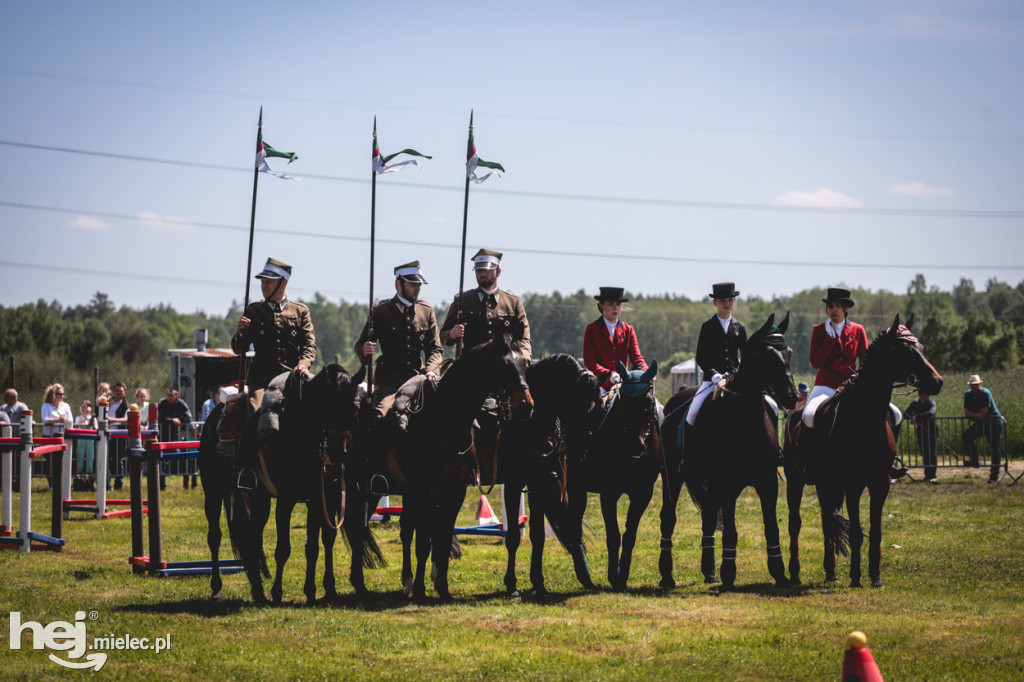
pixel 875 348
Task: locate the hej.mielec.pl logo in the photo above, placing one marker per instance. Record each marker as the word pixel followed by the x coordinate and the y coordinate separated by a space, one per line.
pixel 71 637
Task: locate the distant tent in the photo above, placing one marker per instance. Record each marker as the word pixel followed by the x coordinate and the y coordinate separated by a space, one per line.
pixel 685 374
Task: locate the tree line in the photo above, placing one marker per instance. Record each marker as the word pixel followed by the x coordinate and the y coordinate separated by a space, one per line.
pixel 966 329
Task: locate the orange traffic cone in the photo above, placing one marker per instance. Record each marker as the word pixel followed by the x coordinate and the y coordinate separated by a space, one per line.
pixel 484 514
pixel 858 663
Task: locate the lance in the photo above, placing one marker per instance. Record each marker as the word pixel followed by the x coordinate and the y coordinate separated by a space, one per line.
pixel 252 231
pixel 462 258
pixel 368 361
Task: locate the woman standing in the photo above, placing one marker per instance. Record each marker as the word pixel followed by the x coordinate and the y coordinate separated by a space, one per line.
pixel 56 413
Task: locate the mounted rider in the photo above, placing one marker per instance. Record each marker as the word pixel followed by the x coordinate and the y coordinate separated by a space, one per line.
pixel 718 345
pixel 406 329
pixel 280 331
pixel 487 311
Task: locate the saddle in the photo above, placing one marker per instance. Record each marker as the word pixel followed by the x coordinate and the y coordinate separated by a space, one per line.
pixel 231 419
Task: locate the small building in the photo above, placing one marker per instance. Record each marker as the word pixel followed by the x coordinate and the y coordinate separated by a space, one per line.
pixel 685 374
pixel 197 372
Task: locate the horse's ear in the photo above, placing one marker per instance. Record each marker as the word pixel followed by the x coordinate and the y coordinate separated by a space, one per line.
pixel 768 324
pixel 895 324
pixel 621 369
pixel 652 371
pixel 910 323
pixel 784 325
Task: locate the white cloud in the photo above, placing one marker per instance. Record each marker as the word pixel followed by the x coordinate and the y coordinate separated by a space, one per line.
pixel 153 221
pixel 84 222
pixel 819 198
pixel 919 189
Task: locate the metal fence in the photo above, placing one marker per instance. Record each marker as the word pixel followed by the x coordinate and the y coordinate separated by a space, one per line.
pixel 951 447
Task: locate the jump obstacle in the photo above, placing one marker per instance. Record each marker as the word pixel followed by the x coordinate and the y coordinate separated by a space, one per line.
pixel 151 453
pixel 30 448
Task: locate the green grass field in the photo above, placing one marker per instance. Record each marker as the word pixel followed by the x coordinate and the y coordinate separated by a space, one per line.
pixel 953 607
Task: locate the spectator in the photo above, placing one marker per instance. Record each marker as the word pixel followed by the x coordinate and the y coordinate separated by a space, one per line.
pixel 210 403
pixel 56 413
pixel 102 391
pixel 922 414
pixel 85 450
pixel 174 418
pixel 118 407
pixel 802 390
pixel 142 400
pixel 12 407
pixel 980 408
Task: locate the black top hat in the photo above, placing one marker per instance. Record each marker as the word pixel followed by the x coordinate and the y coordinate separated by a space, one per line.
pixel 836 295
pixel 410 272
pixel 275 269
pixel 723 290
pixel 611 294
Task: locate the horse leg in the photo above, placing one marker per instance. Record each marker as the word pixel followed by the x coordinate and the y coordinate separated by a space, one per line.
pixel 407 527
pixel 512 538
pixel 769 494
pixel 856 533
pixel 328 535
pixel 212 504
pixel 708 524
pixel 878 496
pixel 794 496
pixel 638 503
pixel 570 517
pixel 312 551
pixel 357 530
pixel 447 513
pixel 283 550
pixel 671 486
pixel 729 539
pixel 538 507
pixel 609 510
pixel 828 508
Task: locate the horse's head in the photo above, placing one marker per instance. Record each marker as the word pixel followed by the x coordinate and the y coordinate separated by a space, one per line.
pixel 636 408
pixel 507 367
pixel 767 357
pixel 330 401
pixel 905 359
pixel 563 387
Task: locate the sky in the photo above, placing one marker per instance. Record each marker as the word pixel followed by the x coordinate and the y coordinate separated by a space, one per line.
pixel 657 146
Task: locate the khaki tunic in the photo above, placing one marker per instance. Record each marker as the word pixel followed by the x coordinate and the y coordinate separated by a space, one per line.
pixel 484 323
pixel 282 340
pixel 407 339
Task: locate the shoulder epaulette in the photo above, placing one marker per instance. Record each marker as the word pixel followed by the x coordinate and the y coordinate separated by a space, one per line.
pixel 423 303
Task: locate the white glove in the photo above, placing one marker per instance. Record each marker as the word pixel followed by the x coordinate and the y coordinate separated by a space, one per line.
pixel 615 378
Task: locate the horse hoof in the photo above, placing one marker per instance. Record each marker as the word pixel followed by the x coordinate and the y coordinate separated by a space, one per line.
pixel 877 582
pixel 831 579
pixel 217 596
pixel 855 583
pixel 259 599
pixel 407 587
pixel 515 596
pixel 711 580
pixel 782 582
pixel 795 580
pixel 667 583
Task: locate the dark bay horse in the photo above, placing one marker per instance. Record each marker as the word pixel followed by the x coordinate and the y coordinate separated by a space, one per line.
pixel 433 459
pixel 851 448
pixel 733 444
pixel 300 460
pixel 622 458
pixel 532 454
pixel 217 473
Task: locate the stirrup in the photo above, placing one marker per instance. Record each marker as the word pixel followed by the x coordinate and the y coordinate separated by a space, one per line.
pixel 382 481
pixel 246 479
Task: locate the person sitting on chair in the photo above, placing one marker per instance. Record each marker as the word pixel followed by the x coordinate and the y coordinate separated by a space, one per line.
pixel 608 340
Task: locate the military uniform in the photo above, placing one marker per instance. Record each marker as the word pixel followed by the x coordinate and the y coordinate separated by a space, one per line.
pixel 407 338
pixel 282 334
pixel 488 316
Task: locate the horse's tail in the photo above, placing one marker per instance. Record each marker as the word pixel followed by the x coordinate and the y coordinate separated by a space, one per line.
pixel 836 528
pixel 698 488
pixel 456 550
pixel 369 553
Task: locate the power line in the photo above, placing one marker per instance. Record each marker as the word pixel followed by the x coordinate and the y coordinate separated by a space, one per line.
pixel 515 249
pixel 526 117
pixel 676 203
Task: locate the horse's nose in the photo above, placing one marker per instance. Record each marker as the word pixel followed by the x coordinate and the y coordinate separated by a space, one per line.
pixel 522 404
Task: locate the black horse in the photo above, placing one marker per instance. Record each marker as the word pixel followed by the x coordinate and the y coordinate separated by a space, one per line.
pixel 305 428
pixel 852 447
pixel 432 460
pixel 532 454
pixel 217 473
pixel 733 444
pixel 623 458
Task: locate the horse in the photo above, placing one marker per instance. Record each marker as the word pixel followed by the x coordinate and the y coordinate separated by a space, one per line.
pixel 733 444
pixel 532 454
pixel 852 448
pixel 623 457
pixel 431 461
pixel 217 474
pixel 300 459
